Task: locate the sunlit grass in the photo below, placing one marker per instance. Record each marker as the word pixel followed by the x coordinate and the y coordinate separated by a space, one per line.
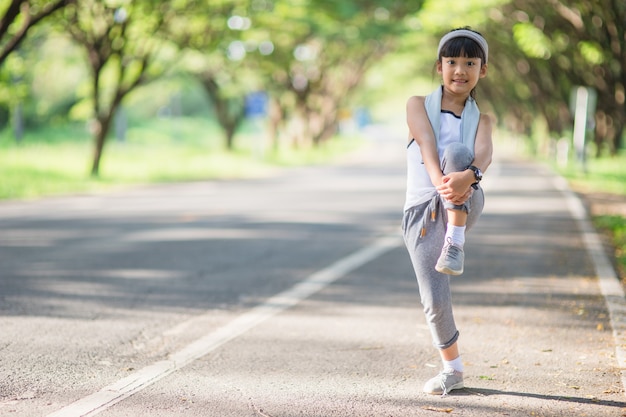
pixel 606 174
pixel 28 171
pixel 616 226
pixel 58 160
pixel 132 163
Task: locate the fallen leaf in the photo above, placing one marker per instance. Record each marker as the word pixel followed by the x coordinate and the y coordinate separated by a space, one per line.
pixel 439 410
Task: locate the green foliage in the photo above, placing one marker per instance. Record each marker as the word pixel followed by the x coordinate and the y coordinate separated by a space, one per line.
pixel 591 52
pixel 314 58
pixel 532 40
pixel 176 95
pixel 439 16
pixel 558 46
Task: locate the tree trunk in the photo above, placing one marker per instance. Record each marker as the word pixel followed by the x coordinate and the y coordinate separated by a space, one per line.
pixel 276 118
pixel 229 111
pixel 229 133
pixel 103 125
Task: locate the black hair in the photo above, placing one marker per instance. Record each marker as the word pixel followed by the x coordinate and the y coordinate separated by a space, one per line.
pixel 462 46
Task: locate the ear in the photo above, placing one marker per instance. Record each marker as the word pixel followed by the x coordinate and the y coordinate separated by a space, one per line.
pixel 439 67
pixel 483 71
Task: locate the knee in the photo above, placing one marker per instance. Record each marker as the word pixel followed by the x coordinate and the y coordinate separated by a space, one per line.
pixel 436 308
pixel 455 147
pixel 457 157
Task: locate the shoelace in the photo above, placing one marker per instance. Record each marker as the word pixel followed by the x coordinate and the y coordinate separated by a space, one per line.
pixel 443 385
pixel 442 381
pixel 449 246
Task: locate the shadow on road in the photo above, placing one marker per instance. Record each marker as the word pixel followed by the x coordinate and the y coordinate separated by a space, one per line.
pixel 490 392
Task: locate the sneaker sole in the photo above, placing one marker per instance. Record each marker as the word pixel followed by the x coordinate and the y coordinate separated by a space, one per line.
pixel 448 271
pixel 460 385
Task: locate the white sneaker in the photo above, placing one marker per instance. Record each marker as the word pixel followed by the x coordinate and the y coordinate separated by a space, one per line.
pixel 446 381
pixel 451 259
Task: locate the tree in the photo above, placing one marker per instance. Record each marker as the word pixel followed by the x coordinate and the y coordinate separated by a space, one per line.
pixel 308 55
pixel 19 17
pixel 210 35
pixel 118 38
pixel 557 45
pixel 322 51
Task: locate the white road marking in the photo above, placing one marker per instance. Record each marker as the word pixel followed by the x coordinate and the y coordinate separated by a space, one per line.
pixel 124 388
pixel 608 280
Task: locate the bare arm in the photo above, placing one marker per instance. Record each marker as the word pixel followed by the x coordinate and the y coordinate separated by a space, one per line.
pixel 421 130
pixel 483 147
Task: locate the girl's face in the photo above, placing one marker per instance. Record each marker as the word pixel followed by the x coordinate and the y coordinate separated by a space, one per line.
pixel 461 74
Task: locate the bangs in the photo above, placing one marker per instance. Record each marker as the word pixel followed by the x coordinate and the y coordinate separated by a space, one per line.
pixel 464 47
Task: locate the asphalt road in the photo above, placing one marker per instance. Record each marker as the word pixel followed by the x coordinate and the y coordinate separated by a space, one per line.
pixel 292 295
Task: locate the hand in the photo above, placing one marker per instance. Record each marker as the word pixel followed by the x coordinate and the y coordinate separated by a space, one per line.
pixel 455 187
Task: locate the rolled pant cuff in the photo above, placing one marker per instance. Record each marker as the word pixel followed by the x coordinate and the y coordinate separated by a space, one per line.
pixel 446 345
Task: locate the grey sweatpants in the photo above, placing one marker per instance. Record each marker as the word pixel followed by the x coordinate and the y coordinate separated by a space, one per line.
pixel 424 228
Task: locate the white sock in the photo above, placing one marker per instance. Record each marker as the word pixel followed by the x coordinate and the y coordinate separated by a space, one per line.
pixel 456 364
pixel 457 234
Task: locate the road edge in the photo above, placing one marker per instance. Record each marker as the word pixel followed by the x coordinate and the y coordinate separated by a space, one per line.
pixel 608 280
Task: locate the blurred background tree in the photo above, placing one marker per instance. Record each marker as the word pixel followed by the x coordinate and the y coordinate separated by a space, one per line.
pixel 323 51
pixel 544 49
pixel 307 65
pixel 210 35
pixel 18 17
pixel 117 37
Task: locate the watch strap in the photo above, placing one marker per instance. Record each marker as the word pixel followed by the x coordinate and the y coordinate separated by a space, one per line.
pixel 477 173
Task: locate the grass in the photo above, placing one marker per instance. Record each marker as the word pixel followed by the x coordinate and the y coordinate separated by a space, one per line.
pixel 616 226
pixel 57 160
pixel 604 175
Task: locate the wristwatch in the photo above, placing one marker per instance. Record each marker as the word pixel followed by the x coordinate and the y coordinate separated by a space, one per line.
pixel 478 175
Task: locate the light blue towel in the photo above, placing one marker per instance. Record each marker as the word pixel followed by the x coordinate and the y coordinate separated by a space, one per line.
pixel 469 118
pixel 469 126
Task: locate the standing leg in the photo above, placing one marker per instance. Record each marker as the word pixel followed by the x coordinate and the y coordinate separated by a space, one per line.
pixel 435 294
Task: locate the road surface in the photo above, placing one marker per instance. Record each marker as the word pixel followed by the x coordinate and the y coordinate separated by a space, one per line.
pixel 292 295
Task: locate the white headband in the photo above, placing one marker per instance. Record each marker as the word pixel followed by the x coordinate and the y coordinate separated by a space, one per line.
pixel 464 33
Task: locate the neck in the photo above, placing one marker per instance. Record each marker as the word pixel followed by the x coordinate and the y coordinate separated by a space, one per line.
pixel 452 102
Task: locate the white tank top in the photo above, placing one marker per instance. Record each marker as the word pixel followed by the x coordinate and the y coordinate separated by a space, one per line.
pixel 417 176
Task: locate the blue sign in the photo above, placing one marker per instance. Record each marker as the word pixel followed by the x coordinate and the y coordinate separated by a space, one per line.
pixel 256 104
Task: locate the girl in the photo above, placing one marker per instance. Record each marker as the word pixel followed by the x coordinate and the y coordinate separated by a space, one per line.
pixel 449 148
